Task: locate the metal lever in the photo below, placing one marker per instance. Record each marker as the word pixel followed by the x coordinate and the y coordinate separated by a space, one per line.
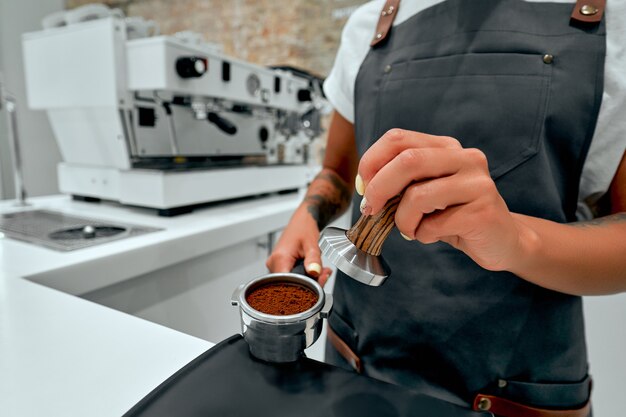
pixel 18 176
pixel 223 124
pixel 170 122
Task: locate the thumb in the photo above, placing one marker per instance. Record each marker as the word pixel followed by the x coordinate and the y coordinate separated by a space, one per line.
pixel 313 260
pixel 324 276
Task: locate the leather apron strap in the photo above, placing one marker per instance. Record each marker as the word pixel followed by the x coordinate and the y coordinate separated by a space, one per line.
pixel 588 12
pixel 387 16
pixel 507 408
pixel 344 350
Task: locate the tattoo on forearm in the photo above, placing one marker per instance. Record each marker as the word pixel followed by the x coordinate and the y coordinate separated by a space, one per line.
pixel 322 209
pixel 327 201
pixel 603 221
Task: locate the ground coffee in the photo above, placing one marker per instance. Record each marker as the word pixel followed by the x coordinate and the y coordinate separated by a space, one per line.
pixel 281 299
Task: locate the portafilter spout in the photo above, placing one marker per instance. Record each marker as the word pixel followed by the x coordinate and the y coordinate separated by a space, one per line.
pixel 357 252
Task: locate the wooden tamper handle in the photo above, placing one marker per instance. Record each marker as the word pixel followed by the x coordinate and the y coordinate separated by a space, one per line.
pixel 369 232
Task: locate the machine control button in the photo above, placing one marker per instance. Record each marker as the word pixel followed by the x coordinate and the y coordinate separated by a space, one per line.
pixel 277 85
pixel 265 96
pixel 191 66
pixel 146 116
pixel 226 71
pixel 304 95
pixel 253 84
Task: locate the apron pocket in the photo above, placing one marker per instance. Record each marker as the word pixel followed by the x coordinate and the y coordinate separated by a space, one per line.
pixel 495 102
pixel 570 395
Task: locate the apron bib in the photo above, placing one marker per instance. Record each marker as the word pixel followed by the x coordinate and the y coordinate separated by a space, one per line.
pixel 515 80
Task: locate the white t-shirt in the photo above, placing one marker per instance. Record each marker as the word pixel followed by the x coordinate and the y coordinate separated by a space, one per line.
pixel 609 140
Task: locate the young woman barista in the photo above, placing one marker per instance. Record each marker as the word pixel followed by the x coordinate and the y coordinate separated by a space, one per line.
pixel 500 120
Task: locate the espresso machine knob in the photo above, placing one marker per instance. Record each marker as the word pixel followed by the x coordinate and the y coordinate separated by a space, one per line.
pixel 191 66
pixel 304 95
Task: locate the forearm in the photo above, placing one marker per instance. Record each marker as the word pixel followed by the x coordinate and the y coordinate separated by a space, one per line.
pixel 586 258
pixel 327 198
pixel 330 192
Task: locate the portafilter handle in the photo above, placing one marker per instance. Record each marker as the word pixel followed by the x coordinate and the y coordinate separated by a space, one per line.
pixel 370 232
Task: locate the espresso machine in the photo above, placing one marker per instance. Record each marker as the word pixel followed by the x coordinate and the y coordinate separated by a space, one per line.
pixel 166 122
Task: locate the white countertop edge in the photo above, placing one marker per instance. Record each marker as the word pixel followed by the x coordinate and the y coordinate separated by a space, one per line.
pixel 63 355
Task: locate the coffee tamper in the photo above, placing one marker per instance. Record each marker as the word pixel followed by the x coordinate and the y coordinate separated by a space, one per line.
pixel 356 252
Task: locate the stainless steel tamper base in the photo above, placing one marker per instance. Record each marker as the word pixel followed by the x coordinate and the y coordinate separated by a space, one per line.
pixel 359 265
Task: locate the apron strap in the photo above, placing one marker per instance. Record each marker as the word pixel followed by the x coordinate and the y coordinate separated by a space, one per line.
pixel 387 16
pixel 344 350
pixel 587 13
pixel 507 408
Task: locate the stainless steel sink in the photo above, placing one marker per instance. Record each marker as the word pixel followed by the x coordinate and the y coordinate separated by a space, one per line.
pixel 65 232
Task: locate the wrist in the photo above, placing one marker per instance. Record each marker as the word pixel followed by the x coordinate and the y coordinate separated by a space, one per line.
pixel 302 218
pixel 527 249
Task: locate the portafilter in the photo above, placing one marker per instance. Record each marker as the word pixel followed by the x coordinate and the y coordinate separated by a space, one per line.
pixel 276 338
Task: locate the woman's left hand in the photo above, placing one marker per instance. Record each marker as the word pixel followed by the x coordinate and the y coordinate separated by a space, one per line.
pixel 449 195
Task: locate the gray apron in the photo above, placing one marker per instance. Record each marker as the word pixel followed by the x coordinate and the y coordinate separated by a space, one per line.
pixel 515 80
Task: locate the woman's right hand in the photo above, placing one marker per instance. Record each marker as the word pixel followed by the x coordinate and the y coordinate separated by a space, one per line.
pixel 299 241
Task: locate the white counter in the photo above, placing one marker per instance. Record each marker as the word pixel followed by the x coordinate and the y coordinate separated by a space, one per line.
pixel 61 355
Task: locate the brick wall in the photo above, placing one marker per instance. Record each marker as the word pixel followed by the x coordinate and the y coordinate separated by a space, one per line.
pixel 304 33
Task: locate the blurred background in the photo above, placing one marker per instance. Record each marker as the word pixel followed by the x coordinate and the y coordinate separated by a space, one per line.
pixel 302 33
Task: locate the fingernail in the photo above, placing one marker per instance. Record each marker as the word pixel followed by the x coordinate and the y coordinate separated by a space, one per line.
pixel 405 236
pixel 359 185
pixel 365 209
pixel 314 267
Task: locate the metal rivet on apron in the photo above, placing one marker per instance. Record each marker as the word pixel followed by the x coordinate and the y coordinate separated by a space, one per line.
pixel 588 10
pixel 547 59
pixel 502 383
pixel 387 68
pixel 484 404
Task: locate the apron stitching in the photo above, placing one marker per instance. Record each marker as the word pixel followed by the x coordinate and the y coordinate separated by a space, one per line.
pixel 599 85
pixel 383 86
pixel 538 128
pixel 538 35
pixel 435 77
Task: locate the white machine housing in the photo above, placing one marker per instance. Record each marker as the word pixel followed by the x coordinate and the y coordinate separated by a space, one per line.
pixel 163 123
